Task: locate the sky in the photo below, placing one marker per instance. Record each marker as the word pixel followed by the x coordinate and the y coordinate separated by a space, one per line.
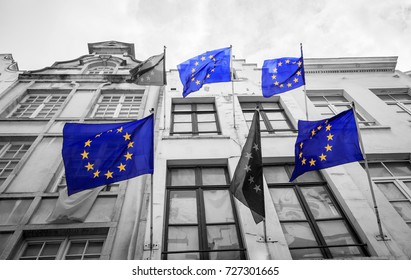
pixel 41 32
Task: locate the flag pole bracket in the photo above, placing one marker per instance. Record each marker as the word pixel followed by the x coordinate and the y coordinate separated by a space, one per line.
pixel 382 238
pixel 148 247
pixel 261 239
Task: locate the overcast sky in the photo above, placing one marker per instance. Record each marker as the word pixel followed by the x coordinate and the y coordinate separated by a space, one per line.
pixel 38 33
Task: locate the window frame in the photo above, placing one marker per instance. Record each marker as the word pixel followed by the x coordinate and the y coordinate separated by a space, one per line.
pixel 401 104
pixel 120 106
pixel 297 186
pixel 201 224
pixel 11 160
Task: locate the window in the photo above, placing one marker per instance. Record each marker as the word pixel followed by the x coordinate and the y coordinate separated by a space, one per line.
pixel 62 184
pixel 101 70
pixel 10 155
pixel 194 119
pixel 13 210
pixel 273 119
pixel 201 222
pixel 313 223
pixel 393 178
pixel 39 106
pixel 398 99
pixel 118 105
pixel 332 104
pixel 62 247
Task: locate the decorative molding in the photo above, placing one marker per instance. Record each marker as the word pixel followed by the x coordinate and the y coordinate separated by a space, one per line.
pixel 111 47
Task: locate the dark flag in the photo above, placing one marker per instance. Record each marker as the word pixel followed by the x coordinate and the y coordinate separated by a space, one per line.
pixel 247 183
pixel 150 72
pixel 281 75
pixel 209 67
pixel 326 143
pixel 100 154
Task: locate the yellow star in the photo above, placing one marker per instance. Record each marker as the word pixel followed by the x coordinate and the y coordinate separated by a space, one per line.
pixel 330 137
pixel 295 80
pixel 96 173
pixel 328 148
pixel 287 61
pixel 120 129
pixel 211 56
pixel 275 70
pixel 323 157
pixel 98 135
pixel 312 132
pixel 197 82
pixel 319 127
pixel 110 130
pixel 300 155
pixel 208 76
pixel 299 63
pixel 122 167
pixel 212 70
pixel 203 58
pixel 303 161
pixel 87 144
pixel 289 85
pixel 280 63
pixel 276 83
pixel 299 73
pixel 312 162
pixel 281 85
pixel 128 156
pixel 84 155
pixel 127 136
pixel 301 145
pixel 273 77
pixel 109 174
pixel 89 166
pixel 196 64
pixel 193 70
pixel 328 127
pixel 193 79
pixel 130 145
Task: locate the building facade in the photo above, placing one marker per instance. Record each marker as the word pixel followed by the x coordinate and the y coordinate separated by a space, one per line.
pixel 198 141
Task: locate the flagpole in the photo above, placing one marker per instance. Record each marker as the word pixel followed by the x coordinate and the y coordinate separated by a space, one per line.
pixel 382 235
pixel 232 82
pixel 264 220
pixel 305 89
pixel 164 89
pixel 151 206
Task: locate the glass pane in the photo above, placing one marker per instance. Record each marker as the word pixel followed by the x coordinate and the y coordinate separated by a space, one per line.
pixel 286 204
pixel 323 110
pixel 408 184
pixel 320 203
pixel 11 210
pixel 184 256
pixel 402 97
pixel 336 99
pixel 205 107
pixel 385 97
pixel 50 249
pixel 298 234
pixel 317 99
pixel 403 208
pixel 248 116
pixel 275 174
pixel 183 207
pixel 182 107
pixel 32 250
pixel 248 105
pixel 280 125
pixel 182 118
pixel 218 207
pixel 312 176
pixel 4 237
pixel 182 127
pixel 390 190
pixel 262 125
pixel 214 176
pixel 222 237
pixel 76 247
pixel 377 170
pixel 275 115
pixel 182 177
pixel 94 247
pixel 399 168
pixel 306 254
pixel 207 127
pixel 341 108
pixel 270 105
pixel 182 238
pixel 225 255
pixel 345 252
pixel 206 118
pixel 336 233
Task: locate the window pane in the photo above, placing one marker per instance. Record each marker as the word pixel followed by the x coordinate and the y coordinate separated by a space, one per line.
pixel 306 254
pixel 182 238
pixel 184 256
pixel 377 170
pixel 4 237
pixel 32 250
pixel 385 97
pixel 317 99
pixel 325 111
pixel 280 125
pixel 399 168
pixel 182 118
pixel 249 116
pixel 336 98
pixel 345 252
pixel 205 107
pixel 403 208
pixel 206 118
pixel 336 233
pixel 94 247
pixel 182 127
pixel 214 176
pixel 76 247
pixel 275 115
pixel 218 207
pixel 225 255
pixel 408 184
pixel 341 108
pixel 275 174
pixel 183 207
pixel 248 105
pixel 298 234
pixel 286 204
pixel 50 249
pixel 312 176
pixel 390 190
pixel 320 203
pixel 207 127
pixel 182 107
pixel 270 105
pixel 222 237
pixel 182 177
pixel 402 97
pixel 12 210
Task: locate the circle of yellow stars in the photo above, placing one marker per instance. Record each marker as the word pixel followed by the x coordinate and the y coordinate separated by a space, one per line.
pixel 328 147
pixel 289 84
pixel 109 174
pixel 193 70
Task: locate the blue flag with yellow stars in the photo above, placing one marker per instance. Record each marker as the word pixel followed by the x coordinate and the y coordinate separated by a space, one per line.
pixel 100 154
pixel 326 143
pixel 207 68
pixel 281 75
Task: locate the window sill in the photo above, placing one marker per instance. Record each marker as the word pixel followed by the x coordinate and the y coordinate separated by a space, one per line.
pixel 24 119
pixel 375 127
pixel 195 137
pixel 291 134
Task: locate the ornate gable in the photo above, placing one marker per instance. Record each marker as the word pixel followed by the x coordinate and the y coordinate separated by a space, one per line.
pixel 111 47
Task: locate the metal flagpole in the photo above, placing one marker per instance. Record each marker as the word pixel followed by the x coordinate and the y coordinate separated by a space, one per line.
pixel 164 89
pixel 382 236
pixel 232 82
pixel 305 89
pixel 151 218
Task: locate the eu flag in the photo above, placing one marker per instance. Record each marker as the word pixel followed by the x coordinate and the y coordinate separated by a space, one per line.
pixel 326 143
pixel 281 75
pixel 209 67
pixel 100 154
